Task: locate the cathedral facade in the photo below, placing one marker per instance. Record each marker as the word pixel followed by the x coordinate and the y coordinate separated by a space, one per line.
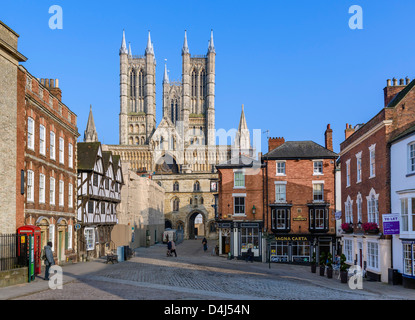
pixel 181 152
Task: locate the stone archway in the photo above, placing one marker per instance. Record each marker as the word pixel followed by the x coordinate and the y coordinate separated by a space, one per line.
pixel 192 222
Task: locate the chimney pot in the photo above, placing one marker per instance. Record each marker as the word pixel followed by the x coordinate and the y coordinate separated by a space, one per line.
pixel 388 82
pixel 395 81
pixel 56 83
pixel 407 80
pixel 401 83
pixel 52 83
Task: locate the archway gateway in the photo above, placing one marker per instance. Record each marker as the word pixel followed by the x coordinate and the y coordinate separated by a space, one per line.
pixel 196 224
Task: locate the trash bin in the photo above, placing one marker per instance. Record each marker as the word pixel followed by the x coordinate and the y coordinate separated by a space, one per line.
pixel 394 277
pixel 126 253
pixel 120 253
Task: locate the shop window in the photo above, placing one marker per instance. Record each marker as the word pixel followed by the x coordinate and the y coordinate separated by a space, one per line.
pixel 373 255
pixel 249 238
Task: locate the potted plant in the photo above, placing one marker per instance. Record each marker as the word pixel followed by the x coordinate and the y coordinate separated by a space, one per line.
pixel 347 227
pixel 371 227
pixel 343 269
pixel 322 263
pixel 329 265
pixel 313 263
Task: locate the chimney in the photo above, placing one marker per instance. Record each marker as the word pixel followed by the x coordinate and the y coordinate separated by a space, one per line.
pixel 390 91
pixel 54 89
pixel 328 135
pixel 349 131
pixel 274 143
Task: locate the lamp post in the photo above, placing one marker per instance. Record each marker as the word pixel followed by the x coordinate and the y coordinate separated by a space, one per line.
pixel 253 210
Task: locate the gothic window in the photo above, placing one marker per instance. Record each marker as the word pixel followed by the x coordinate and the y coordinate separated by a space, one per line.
pixel 131 128
pixel 202 84
pixel 194 83
pixel 143 140
pixel 196 186
pixel 176 186
pixel 133 80
pixel 176 204
pixel 141 84
pixel 137 141
pixel 131 140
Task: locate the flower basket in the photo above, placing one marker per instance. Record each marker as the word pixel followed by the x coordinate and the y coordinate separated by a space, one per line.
pixel 347 227
pixel 371 227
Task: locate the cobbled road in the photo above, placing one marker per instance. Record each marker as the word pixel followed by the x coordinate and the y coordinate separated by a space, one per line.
pixel 198 275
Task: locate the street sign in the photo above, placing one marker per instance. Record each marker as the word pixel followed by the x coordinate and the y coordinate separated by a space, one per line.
pixel 391 223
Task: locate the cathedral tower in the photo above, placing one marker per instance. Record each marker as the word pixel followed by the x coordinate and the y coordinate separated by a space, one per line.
pixel 137 94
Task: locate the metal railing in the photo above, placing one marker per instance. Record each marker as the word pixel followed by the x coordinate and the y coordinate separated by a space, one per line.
pixel 8 252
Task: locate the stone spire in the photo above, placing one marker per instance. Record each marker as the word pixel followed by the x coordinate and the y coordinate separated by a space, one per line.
pixel 130 53
pixel 90 134
pixel 149 49
pixel 211 44
pixel 242 137
pixel 185 48
pixel 123 48
pixel 166 76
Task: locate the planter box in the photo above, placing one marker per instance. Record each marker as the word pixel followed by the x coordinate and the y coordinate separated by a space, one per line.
pixel 322 268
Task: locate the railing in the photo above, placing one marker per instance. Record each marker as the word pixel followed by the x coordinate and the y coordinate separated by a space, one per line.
pixel 8 252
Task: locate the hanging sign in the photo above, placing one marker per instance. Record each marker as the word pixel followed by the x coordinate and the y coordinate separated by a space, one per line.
pixel 391 223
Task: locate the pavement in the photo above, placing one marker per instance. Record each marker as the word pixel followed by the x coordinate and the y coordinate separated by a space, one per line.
pixel 195 274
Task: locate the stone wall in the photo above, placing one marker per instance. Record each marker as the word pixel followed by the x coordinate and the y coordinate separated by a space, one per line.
pixel 13 277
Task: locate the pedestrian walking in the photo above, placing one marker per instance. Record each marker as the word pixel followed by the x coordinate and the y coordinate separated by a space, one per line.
pixel 173 249
pixel 204 242
pixel 169 247
pixel 48 258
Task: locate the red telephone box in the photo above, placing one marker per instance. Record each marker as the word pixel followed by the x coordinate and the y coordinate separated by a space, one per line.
pixel 23 243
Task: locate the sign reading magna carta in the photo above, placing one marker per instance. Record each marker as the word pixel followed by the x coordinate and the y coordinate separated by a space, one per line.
pixel 293 238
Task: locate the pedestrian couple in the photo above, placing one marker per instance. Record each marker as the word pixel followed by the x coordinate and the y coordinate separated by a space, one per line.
pixel 47 257
pixel 171 248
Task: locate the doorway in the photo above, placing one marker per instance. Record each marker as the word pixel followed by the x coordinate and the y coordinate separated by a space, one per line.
pixel 196 225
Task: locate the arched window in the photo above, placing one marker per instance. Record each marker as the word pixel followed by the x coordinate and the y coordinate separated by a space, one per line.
pixel 194 83
pixel 348 210
pixel 196 186
pixel 373 206
pixel 176 186
pixel 141 83
pixel 202 84
pixel 143 140
pixel 133 80
pixel 176 204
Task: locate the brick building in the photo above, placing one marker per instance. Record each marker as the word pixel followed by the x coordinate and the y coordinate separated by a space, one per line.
pixel 300 191
pixel 365 176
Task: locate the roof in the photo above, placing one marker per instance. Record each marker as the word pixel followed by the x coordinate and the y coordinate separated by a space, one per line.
pixel 240 161
pixel 401 95
pixel 300 150
pixel 404 134
pixel 87 153
pixel 106 155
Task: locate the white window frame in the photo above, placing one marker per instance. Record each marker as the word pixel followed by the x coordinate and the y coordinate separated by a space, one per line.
pixel 52 235
pixel 348 249
pixel 372 161
pixel 348 210
pixel 70 155
pixel 279 184
pixel 61 193
pixel 407 225
pixel 42 140
pixel 373 206
pixel 372 255
pixel 280 165
pixel 52 188
pixel 238 173
pixel 242 196
pixel 52 145
pixel 315 183
pixel 30 133
pixel 348 173
pixel 30 186
pixel 70 236
pixel 61 150
pixel 359 202
pixel 70 195
pixel 318 167
pixel 42 185
pixel 359 167
pixel 411 157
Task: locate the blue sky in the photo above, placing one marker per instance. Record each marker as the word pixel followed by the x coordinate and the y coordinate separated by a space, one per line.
pixel 295 65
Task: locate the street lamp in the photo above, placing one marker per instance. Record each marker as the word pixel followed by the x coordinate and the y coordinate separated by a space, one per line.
pixel 253 210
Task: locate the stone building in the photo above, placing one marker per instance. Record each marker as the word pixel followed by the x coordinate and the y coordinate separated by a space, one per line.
pixel 182 149
pixel 11 195
pixel 366 180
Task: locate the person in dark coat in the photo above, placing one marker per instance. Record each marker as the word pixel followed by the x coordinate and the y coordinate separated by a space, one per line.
pixel 48 258
pixel 204 242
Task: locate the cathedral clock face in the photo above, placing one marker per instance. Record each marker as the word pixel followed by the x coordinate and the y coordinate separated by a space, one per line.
pixel 213 186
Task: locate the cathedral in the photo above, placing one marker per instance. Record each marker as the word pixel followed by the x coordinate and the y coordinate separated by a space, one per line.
pixel 181 152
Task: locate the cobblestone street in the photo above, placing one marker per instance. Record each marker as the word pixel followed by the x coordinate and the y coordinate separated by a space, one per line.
pixel 196 275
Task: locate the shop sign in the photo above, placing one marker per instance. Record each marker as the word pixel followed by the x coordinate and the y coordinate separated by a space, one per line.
pixel 390 223
pixel 300 218
pixel 293 238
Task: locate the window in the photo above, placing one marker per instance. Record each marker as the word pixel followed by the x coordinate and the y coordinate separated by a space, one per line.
pixel 239 179
pixel 61 187
pixel 176 186
pixel 359 167
pixel 70 195
pixel 318 218
pixel 373 255
pixel 70 155
pixel 95 180
pixel 41 188
pixel 280 168
pixel 52 145
pixel 359 207
pixel 372 160
pixel 318 192
pixel 249 238
pixel 69 237
pixel 407 214
pixel 89 238
pixel 409 259
pixel 411 158
pixel 196 186
pixel 107 183
pixel 372 207
pixel 30 186
pixel 300 249
pixel 280 192
pixel 102 207
pixel 348 173
pixel 52 191
pixel 239 205
pixel 280 251
pixel 318 167
pixel 348 210
pixel 42 140
pixel 348 249
pixel 176 204
pixel 280 218
pixel 90 206
pixel 30 133
pixel 61 151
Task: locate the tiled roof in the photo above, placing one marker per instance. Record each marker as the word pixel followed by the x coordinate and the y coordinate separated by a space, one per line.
pixel 299 150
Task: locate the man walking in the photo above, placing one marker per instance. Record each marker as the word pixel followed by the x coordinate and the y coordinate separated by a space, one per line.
pixel 173 248
pixel 48 258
